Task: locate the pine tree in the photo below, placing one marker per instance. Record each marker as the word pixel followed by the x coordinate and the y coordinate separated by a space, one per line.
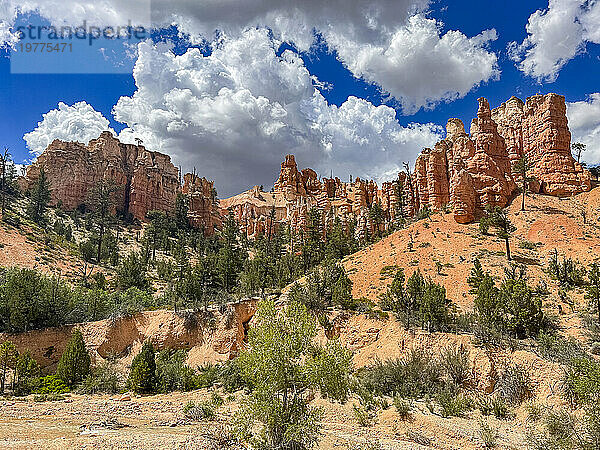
pixel 74 364
pixel 102 202
pixel 593 288
pixel 181 212
pixel 522 167
pixel 142 378
pixel 39 198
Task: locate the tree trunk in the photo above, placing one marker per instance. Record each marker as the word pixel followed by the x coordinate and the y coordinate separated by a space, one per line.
pixel 100 236
pixel 507 248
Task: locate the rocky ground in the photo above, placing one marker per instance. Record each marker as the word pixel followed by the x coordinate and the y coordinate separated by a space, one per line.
pixel 158 421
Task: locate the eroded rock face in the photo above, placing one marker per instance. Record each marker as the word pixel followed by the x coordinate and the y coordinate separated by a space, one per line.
pixel 203 210
pixel 148 179
pixel 469 172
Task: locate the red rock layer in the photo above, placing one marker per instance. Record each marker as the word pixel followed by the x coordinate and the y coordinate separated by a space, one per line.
pixel 148 179
pixel 203 209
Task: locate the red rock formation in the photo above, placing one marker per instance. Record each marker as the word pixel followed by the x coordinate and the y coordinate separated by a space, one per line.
pixel 480 167
pixel 148 179
pixel 203 210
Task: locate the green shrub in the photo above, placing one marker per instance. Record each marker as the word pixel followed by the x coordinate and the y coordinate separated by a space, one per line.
pixel 363 416
pixel 132 273
pixel 403 407
pixel 103 378
pixel 74 364
pixel 413 376
pixel 456 365
pixel 558 348
pixel 495 405
pixel 567 272
pixel 27 374
pixel 51 384
pixel 198 411
pixel 487 434
pixel 453 403
pixel 172 373
pixel 142 378
pixel 514 385
pixel 48 397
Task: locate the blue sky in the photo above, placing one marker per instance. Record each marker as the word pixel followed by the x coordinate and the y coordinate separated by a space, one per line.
pixel 25 97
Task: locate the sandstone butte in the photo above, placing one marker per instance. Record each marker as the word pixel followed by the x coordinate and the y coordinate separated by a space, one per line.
pixel 148 180
pixel 464 172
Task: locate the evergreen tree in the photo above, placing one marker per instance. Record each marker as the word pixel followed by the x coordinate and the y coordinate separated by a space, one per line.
pixel 26 371
pixel 157 231
pixel 142 378
pixel 132 272
pixel 74 364
pixel 102 200
pixel 284 365
pixel 39 198
pixel 522 167
pixel 181 212
pixel 593 288
pixel 498 218
pixel 7 177
pixel 8 361
pixel 377 217
pixel 231 256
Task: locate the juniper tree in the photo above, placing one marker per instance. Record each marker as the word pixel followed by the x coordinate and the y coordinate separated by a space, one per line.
pixel 74 364
pixel 593 287
pixel 498 218
pixel 142 378
pixel 39 198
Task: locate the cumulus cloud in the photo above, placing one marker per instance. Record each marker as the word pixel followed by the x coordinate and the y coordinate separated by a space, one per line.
pixel 584 122
pixel 419 65
pixel 236 113
pixel 555 36
pixel 388 42
pixel 79 122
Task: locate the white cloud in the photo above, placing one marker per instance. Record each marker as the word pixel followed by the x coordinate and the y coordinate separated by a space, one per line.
pixel 419 65
pixel 79 122
pixel 236 113
pixel 555 36
pixel 388 42
pixel 584 122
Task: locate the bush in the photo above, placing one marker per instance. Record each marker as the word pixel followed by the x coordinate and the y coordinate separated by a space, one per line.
pixel 487 434
pixel 51 384
pixel 283 365
pixel 103 378
pixel 456 364
pixel 74 364
pixel 493 405
pixel 172 373
pixel 363 416
pixel 199 411
pixel 403 407
pixel 514 385
pixel 48 398
pixel 27 374
pixel 453 403
pixel 559 349
pixel 142 378
pixel 414 376
pixel 567 272
pixel 131 302
pixel 132 273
